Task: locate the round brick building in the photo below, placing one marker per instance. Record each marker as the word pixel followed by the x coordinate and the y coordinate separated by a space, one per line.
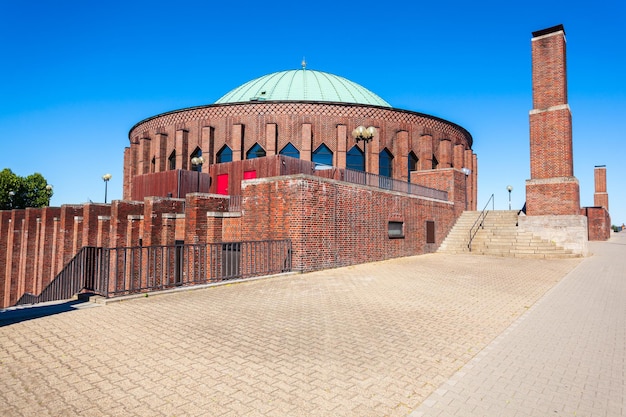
pixel 304 114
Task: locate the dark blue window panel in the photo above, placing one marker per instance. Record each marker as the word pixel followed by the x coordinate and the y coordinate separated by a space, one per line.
pixel 225 155
pixel 290 150
pixel 255 152
pixel 385 163
pixel 355 159
pixel 323 156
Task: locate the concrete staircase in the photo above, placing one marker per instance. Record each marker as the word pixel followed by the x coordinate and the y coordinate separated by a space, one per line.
pixel 499 237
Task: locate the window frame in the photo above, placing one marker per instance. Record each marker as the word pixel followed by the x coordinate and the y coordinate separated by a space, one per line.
pixel 397 231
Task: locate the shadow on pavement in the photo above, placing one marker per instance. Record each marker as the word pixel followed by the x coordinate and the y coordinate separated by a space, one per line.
pixel 19 314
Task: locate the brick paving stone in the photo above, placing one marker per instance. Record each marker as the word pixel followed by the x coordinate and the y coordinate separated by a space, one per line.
pixel 565 357
pixel 366 340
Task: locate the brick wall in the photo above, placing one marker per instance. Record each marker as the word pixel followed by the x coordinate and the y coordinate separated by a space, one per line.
pixel 598 222
pixel 600 196
pixel 451 180
pixel 330 223
pixel 552 197
pixel 273 125
pixel 552 188
pixel 334 224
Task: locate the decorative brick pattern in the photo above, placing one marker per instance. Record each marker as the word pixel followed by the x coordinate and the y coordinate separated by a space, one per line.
pixel 273 125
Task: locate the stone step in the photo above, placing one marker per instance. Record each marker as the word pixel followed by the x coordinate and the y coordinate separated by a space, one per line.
pixel 498 236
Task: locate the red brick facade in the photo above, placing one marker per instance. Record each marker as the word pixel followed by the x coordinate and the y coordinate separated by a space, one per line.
pixel 331 223
pixel 600 196
pixel 598 223
pixel 304 125
pixel 552 188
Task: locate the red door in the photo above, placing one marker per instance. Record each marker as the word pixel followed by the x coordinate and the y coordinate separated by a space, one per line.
pixel 222 184
pixel 248 175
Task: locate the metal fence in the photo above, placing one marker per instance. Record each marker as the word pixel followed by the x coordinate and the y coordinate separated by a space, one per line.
pixel 113 272
pixel 387 183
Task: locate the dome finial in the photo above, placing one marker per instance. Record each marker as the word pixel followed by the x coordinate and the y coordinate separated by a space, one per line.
pixel 303 63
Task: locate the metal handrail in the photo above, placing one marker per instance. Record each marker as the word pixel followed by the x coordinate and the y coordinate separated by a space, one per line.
pixel 118 271
pixel 70 281
pixel 480 221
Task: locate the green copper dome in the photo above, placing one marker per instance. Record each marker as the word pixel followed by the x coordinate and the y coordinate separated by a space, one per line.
pixel 302 85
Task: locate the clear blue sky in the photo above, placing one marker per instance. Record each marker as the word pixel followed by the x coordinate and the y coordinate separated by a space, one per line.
pixel 75 76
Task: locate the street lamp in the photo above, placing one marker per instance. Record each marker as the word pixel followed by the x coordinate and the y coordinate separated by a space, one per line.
pixel 106 178
pixel 49 193
pixel 365 134
pixel 466 171
pixel 11 194
pixel 197 161
pixel 509 188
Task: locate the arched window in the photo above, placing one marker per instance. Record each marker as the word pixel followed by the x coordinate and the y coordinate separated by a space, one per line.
pixel 355 159
pixel 385 163
pixel 290 150
pixel 171 161
pixel 196 154
pixel 153 165
pixel 224 155
pixel 323 156
pixel 435 162
pixel 412 163
pixel 255 152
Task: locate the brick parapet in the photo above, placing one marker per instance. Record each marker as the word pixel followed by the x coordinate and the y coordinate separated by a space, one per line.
pixel 333 223
pixel 197 223
pixel 120 212
pixel 91 214
pixel 154 208
pixel 451 180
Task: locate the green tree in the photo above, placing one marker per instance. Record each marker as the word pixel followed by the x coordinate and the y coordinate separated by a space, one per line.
pixel 21 192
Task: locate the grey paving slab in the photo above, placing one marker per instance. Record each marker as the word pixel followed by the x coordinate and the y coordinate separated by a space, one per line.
pixel 367 340
pixel 565 357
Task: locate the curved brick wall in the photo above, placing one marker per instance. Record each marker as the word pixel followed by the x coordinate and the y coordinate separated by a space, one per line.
pixel 306 125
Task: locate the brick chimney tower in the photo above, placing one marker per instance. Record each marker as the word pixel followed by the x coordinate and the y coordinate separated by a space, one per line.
pixel 552 192
pixel 600 197
pixel 552 188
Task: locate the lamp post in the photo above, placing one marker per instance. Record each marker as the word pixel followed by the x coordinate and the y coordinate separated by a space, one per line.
pixel 49 193
pixel 11 194
pixel 365 134
pixel 509 188
pixel 197 161
pixel 106 178
pixel 466 171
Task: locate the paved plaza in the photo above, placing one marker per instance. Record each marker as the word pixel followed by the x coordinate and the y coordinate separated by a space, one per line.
pixel 432 335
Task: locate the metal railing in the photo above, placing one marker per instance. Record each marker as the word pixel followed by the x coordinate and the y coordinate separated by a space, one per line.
pixel 70 281
pixel 113 272
pixel 387 183
pixel 234 203
pixel 480 222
